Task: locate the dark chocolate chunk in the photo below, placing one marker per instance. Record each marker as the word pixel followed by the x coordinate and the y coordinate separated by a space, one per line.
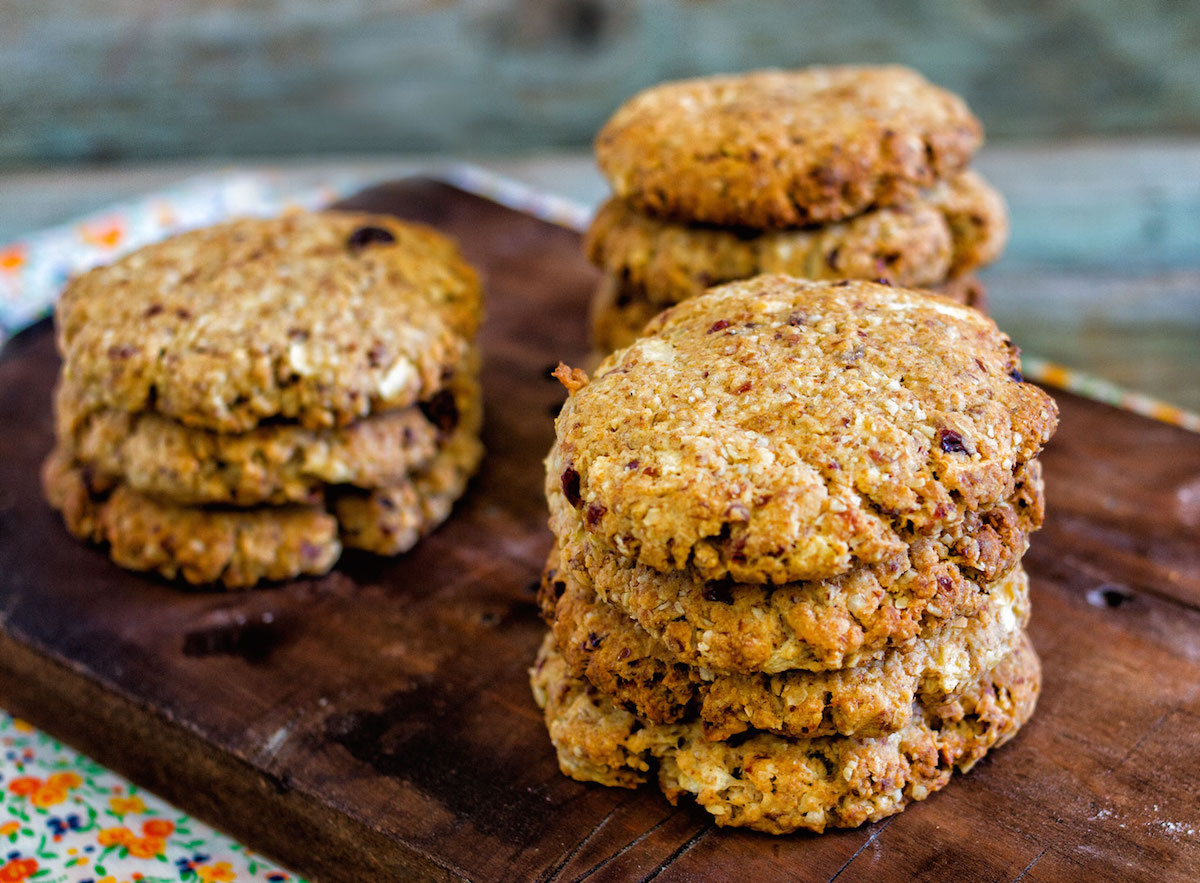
pixel 369 235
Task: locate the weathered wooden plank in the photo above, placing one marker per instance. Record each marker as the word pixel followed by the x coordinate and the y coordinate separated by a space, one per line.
pixel 224 78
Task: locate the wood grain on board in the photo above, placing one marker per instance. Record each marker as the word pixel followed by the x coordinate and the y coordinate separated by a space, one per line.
pixel 376 724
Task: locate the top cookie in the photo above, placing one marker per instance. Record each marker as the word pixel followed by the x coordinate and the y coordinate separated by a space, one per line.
pixel 778 429
pixel 785 148
pixel 320 318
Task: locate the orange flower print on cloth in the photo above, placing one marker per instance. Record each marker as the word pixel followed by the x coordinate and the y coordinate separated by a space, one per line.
pixel 105 234
pixel 221 872
pixel 52 791
pixel 115 837
pixel 123 805
pixel 12 258
pixel 18 870
pixel 158 828
pixel 66 819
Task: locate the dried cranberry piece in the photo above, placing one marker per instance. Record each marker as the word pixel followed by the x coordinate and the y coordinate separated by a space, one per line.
pixel 369 235
pixel 441 411
pixel 951 442
pixel 570 487
pixel 720 591
pixel 718 325
pixel 594 513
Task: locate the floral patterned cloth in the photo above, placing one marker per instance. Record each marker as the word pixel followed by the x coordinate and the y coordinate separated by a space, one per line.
pixel 66 819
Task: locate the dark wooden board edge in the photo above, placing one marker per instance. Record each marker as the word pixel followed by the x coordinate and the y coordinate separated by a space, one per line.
pixel 250 806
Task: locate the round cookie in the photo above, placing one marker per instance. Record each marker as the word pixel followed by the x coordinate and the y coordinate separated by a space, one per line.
pixel 318 318
pixel 618 313
pixel 390 520
pixel 952 229
pixel 775 784
pixel 966 290
pixel 776 430
pixel 819 625
pixel 785 148
pixel 239 547
pixel 275 464
pixel 641 675
pixel 235 548
pixel 978 220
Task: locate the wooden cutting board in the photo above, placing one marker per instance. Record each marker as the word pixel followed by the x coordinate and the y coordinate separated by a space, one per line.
pixel 376 724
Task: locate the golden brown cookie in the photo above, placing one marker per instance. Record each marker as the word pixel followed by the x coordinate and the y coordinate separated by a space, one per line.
pixel 233 547
pixel 785 148
pixel 775 784
pixel 641 675
pixel 273 464
pixel 618 313
pixel 950 230
pixel 978 219
pixel 776 430
pixel 318 318
pixel 238 547
pixel 390 520
pixel 818 625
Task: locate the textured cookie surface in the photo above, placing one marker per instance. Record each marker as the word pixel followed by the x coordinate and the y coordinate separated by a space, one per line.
pixel 390 520
pixel 785 148
pixel 817 625
pixel 776 784
pixel 238 547
pixel 235 548
pixel 641 675
pixel 319 318
pixel 275 464
pixel 955 227
pixel 618 312
pixel 776 430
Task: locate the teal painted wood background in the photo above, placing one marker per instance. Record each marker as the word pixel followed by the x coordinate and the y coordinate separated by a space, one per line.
pixel 136 79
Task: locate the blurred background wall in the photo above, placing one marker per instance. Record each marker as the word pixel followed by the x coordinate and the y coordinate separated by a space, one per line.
pixel 115 80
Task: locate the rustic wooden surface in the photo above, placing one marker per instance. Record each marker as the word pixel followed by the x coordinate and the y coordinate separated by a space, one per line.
pixel 376 724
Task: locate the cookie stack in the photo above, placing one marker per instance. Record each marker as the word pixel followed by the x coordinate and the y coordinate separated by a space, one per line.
pixel 823 173
pixel 786 578
pixel 238 403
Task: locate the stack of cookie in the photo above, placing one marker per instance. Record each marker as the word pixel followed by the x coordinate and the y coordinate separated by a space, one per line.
pixel 238 403
pixel 786 578
pixel 823 173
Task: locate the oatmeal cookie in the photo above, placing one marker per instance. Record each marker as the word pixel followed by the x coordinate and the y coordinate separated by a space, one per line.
pixel 952 229
pixel 318 318
pixel 773 783
pixel 815 625
pixel 641 675
pixel 776 430
pixel 390 520
pixel 273 464
pixel 233 547
pixel 618 312
pixel 238 547
pixel 785 148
